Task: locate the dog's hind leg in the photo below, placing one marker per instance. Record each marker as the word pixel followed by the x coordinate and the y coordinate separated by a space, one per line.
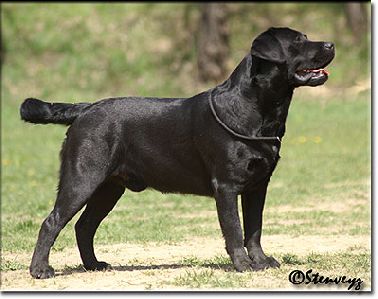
pixel 98 207
pixel 79 179
pixel 66 206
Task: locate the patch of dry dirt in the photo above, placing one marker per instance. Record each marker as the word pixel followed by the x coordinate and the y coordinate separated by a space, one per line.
pixel 155 266
pixel 350 203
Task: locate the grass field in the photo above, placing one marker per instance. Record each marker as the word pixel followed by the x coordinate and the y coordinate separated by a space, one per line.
pixel 320 191
pixel 318 210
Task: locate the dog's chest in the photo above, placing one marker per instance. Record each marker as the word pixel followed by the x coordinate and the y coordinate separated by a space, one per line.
pixel 254 164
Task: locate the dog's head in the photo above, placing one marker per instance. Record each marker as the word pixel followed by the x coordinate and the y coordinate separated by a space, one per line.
pixel 305 60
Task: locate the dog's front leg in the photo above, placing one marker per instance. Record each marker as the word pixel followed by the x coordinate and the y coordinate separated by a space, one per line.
pixel 253 205
pixel 227 207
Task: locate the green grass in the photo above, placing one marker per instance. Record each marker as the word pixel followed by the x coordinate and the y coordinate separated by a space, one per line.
pixel 336 170
pixel 8 265
pixel 204 275
pixel 291 259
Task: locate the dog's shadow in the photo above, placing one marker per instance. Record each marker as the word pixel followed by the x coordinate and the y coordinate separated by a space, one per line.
pixel 80 268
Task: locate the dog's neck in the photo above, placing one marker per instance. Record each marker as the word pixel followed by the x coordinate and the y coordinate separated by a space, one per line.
pixel 254 101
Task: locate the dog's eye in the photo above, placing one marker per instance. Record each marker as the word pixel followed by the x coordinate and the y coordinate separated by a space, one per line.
pixel 305 36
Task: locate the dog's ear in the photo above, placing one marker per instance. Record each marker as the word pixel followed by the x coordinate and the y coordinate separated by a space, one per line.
pixel 268 47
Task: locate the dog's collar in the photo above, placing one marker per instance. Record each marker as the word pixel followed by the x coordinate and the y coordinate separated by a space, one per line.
pixel 228 129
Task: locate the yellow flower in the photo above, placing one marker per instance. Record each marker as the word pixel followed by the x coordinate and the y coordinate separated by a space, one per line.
pixel 302 139
pixel 5 162
pixel 317 139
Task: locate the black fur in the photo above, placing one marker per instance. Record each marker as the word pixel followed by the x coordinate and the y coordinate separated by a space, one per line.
pixel 39 112
pixel 177 145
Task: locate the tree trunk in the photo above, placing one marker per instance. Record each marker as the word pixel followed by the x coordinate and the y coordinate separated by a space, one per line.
pixel 356 18
pixel 213 42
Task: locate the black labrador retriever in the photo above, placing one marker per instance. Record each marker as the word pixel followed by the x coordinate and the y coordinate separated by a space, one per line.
pixel 220 143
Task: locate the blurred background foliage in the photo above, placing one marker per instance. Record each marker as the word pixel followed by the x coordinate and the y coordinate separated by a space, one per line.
pixel 89 51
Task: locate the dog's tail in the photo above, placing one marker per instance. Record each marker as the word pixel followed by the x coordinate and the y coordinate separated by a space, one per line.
pixel 40 112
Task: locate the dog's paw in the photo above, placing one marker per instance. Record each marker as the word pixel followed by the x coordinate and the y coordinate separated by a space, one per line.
pixel 42 272
pixel 266 263
pixel 243 265
pixel 98 266
pixel 273 263
pixel 242 262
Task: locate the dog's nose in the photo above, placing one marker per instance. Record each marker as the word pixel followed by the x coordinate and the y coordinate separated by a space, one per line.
pixel 329 46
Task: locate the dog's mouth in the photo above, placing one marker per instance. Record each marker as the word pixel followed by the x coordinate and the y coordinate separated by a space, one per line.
pixel 313 72
pixel 311 77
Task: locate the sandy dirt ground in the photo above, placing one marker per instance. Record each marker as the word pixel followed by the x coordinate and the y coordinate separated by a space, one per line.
pixel 156 266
